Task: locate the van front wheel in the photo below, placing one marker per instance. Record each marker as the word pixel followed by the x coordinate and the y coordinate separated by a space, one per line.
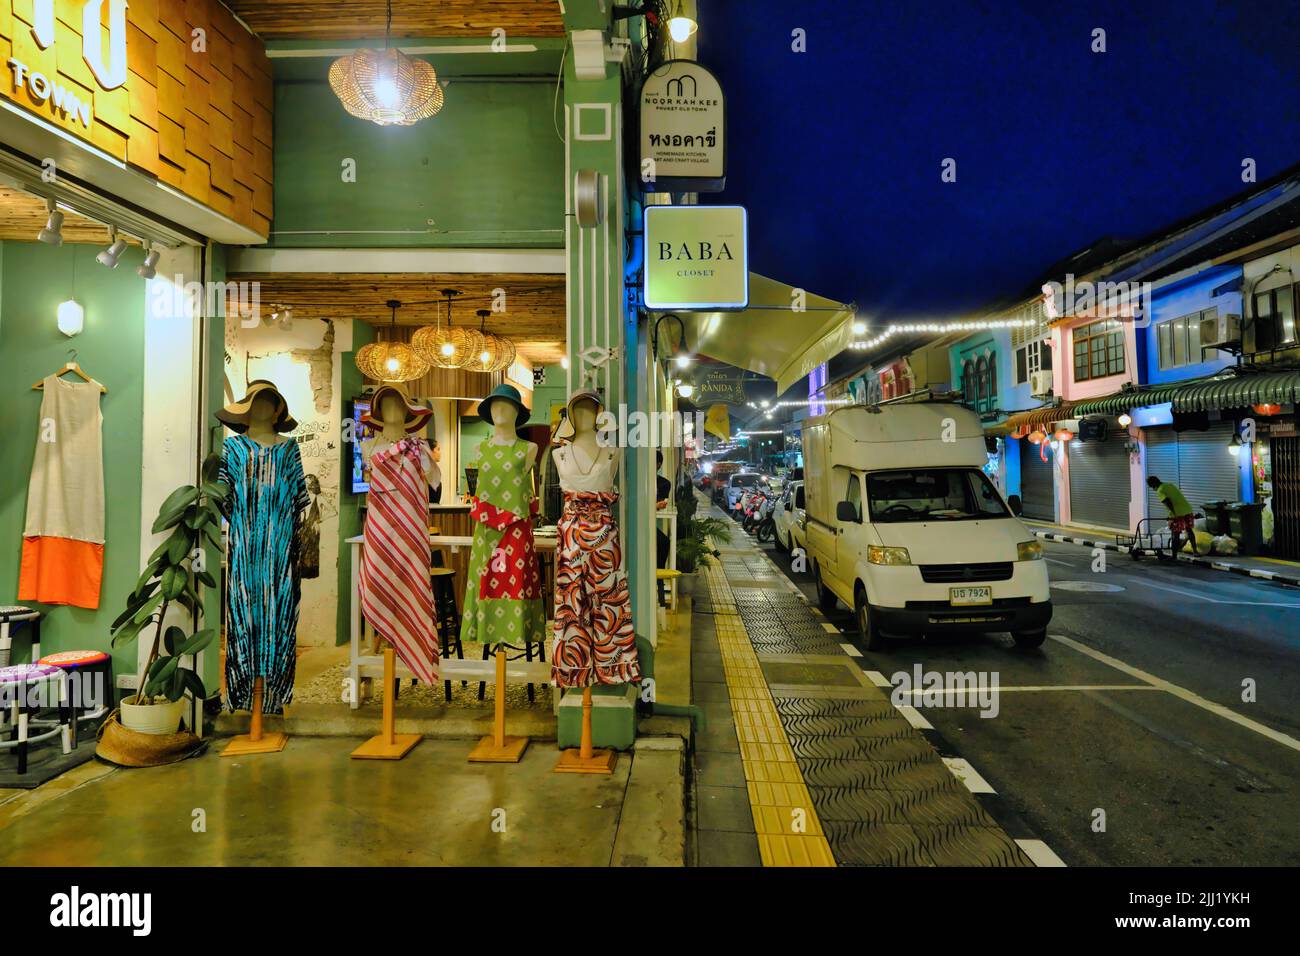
pixel 868 631
pixel 1030 638
pixel 825 596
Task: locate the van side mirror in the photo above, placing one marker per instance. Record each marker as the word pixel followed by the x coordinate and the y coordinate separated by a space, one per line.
pixel 1013 502
pixel 847 511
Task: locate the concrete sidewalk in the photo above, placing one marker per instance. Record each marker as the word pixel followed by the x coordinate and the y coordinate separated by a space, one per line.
pixel 310 805
pixel 1267 569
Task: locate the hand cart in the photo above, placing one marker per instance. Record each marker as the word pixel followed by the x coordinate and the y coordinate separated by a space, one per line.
pixel 1152 535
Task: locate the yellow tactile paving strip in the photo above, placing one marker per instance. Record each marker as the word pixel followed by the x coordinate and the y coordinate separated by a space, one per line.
pixel 789 831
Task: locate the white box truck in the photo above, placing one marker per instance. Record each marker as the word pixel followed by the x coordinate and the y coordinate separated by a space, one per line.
pixel 905 528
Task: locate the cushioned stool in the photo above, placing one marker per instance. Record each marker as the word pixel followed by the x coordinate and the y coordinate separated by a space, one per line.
pixel 18 614
pixel 24 688
pixel 90 679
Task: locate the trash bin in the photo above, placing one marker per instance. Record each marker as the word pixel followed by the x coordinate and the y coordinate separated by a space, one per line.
pixel 1244 525
pixel 1216 516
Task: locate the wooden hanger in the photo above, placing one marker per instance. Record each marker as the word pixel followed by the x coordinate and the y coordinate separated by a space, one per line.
pixel 73 367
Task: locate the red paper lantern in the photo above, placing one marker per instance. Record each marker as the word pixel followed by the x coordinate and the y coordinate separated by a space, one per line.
pixel 1037 437
pixel 1267 409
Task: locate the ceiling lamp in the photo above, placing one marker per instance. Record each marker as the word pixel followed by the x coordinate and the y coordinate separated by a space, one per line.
pixel 390 361
pixel 448 346
pixel 682 23
pixel 386 86
pixel 497 352
pixel 149 268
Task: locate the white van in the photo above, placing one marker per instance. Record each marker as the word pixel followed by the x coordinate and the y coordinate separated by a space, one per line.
pixel 904 527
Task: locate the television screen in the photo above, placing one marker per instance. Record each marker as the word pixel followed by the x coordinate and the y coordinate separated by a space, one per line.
pixel 360 433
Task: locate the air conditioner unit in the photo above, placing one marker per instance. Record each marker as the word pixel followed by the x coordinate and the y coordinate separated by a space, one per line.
pixel 1040 384
pixel 1221 331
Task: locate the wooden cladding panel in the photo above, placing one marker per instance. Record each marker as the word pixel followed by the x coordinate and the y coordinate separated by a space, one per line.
pixel 197 119
pixel 359 19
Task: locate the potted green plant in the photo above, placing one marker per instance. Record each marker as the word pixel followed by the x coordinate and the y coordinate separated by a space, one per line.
pixel 173 574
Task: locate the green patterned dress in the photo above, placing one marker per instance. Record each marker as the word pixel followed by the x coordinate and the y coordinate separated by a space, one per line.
pixel 503 595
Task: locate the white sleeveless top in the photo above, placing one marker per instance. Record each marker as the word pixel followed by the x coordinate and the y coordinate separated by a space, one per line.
pixel 600 477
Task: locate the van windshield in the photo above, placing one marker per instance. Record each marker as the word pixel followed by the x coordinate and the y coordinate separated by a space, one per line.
pixel 933 494
pixel 744 481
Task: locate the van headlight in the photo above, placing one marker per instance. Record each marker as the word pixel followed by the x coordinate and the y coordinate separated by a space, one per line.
pixel 1029 551
pixel 880 555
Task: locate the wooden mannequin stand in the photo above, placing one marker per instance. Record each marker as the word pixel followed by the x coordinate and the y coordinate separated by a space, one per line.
pixel 499 748
pixel 256 742
pixel 387 745
pixel 585 759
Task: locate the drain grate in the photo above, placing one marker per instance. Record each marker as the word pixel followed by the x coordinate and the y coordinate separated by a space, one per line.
pixel 961 845
pixel 841 726
pixel 857 804
pixel 878 774
pixel 821 707
pixel 862 748
pixel 876 844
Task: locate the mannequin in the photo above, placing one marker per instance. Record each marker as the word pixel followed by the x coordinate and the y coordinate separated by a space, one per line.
pixel 594 638
pixel 501 608
pixel 395 592
pixel 268 496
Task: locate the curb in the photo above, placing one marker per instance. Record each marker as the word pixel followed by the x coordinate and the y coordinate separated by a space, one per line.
pixel 1244 571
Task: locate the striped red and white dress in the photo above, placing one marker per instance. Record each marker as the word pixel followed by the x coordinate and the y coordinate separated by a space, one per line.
pixel 396 593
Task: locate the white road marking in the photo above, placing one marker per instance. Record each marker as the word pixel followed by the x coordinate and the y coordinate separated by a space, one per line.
pixel 1212 600
pixel 921 691
pixel 879 679
pixel 915 718
pixel 831 628
pixel 963 771
pixel 1040 853
pixel 851 650
pixel 1063 563
pixel 1182 693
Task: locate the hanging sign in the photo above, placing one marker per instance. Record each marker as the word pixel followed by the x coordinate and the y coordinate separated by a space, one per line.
pixel 720 387
pixel 683 130
pixel 696 258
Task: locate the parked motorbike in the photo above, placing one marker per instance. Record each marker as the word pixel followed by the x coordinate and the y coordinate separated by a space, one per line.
pixel 765 526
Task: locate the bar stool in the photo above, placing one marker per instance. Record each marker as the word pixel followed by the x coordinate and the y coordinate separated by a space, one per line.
pixel 21 689
pixel 446 616
pixel 18 614
pixel 85 669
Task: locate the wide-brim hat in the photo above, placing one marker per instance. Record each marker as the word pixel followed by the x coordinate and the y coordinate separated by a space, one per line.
pixel 566 431
pixel 236 415
pixel 416 416
pixel 504 393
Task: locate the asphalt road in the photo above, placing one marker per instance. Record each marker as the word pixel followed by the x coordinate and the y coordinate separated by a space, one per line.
pixel 1125 739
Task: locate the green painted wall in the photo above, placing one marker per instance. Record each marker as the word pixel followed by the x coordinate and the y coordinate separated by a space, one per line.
pixel 554 392
pixel 487 170
pixel 34 278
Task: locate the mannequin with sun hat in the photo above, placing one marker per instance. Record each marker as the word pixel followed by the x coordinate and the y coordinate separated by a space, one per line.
pixel 503 600
pixel 268 495
pixel 393 584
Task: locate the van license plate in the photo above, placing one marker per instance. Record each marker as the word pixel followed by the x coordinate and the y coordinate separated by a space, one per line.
pixel 959 597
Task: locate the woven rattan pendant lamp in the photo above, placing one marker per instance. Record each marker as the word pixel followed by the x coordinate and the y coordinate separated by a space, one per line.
pixel 497 352
pixel 448 346
pixel 386 86
pixel 390 361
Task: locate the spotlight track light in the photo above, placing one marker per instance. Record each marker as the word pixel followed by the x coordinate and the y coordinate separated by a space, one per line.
pixel 52 234
pixel 149 268
pixel 110 256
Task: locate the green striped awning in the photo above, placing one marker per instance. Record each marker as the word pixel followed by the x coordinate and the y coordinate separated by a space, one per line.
pixel 1235 391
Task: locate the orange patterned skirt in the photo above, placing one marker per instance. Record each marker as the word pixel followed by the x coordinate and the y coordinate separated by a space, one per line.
pixel 594 639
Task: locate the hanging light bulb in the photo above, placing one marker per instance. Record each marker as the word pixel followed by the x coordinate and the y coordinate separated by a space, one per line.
pixel 682 23
pixel 390 361
pixel 386 86
pixel 1125 420
pixel 448 346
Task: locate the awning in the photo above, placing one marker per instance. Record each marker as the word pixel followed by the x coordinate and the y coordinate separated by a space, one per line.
pixel 1233 391
pixel 1034 418
pixel 768 337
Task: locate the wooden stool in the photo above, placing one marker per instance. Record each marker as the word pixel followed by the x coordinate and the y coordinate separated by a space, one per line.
pixel 20 685
pixel 446 617
pixel 18 614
